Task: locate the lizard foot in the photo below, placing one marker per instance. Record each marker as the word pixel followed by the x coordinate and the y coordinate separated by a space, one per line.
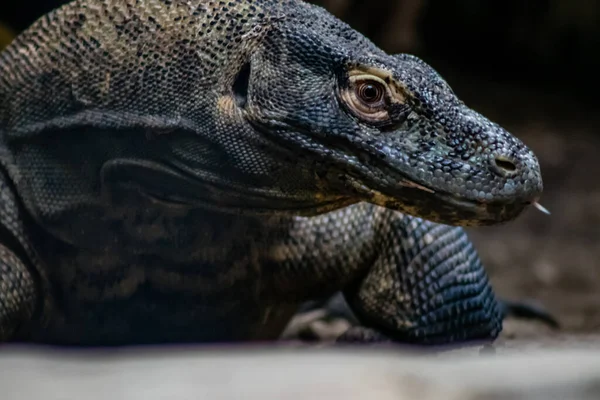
pixel 333 320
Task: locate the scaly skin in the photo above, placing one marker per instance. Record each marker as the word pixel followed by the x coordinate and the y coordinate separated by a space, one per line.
pixel 193 170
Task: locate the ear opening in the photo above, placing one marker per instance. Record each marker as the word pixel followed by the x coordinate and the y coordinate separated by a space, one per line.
pixel 240 85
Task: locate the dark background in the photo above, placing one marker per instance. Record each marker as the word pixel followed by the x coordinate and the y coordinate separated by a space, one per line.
pixel 531 66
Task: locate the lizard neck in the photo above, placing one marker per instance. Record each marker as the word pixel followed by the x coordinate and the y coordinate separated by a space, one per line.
pixel 119 189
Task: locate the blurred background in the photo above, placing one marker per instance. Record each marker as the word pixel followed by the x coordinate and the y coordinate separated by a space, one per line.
pixel 531 66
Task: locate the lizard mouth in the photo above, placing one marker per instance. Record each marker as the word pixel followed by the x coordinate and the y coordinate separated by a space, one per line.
pixel 424 202
pixel 172 186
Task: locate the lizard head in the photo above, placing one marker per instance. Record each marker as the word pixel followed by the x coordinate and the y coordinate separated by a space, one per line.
pixel 255 106
pixel 386 129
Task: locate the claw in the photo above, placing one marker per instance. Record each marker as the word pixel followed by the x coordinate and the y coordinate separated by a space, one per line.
pixel 529 311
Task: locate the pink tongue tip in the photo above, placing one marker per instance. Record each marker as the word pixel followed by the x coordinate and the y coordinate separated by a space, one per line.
pixel 540 207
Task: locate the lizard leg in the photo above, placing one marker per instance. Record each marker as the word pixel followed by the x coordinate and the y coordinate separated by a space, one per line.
pixel 322 319
pixel 17 293
pixel 427 286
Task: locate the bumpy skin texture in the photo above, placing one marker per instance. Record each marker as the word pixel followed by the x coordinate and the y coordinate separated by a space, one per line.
pixel 186 170
pixel 17 293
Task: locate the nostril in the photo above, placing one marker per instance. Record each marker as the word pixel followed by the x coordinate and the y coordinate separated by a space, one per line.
pixel 504 165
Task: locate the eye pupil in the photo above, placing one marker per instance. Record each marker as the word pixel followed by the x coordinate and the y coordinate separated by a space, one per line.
pixel 370 93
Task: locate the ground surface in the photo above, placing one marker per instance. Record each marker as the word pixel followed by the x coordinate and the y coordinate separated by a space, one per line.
pixel 288 373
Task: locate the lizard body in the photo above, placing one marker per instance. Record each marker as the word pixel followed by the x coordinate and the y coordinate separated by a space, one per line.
pixel 188 170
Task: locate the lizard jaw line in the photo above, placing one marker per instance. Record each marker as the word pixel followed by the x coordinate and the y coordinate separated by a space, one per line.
pixel 382 199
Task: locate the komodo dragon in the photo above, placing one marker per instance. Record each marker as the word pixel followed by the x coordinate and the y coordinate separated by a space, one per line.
pixel 194 170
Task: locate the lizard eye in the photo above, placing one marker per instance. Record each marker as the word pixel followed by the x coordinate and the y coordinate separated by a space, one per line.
pixel 367 97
